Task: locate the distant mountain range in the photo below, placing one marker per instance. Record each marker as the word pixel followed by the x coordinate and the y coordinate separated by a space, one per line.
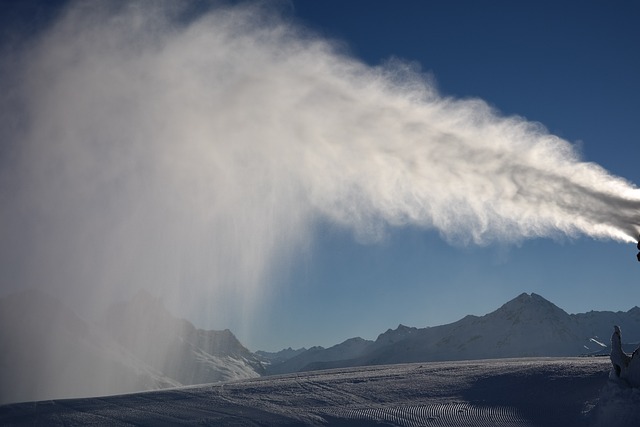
pixel 528 325
pixel 47 351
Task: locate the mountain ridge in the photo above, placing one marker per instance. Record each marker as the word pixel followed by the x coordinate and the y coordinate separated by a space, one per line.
pixel 526 326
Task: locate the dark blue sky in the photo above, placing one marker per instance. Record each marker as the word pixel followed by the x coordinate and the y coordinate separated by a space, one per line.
pixel 573 67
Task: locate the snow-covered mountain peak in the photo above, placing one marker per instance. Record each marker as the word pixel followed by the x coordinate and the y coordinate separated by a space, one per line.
pixel 529 299
pixel 531 307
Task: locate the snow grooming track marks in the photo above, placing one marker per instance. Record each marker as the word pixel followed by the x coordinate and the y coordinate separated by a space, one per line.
pixel 536 392
pixel 440 415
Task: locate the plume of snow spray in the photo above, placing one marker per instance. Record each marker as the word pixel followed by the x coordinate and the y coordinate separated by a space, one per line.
pixel 190 156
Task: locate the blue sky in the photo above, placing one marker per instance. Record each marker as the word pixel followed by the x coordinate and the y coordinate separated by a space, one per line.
pixel 572 67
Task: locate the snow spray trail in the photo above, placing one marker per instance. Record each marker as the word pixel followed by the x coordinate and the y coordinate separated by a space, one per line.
pixel 147 148
pixel 143 147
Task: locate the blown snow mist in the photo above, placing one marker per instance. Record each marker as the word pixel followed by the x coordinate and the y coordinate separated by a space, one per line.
pixel 193 157
pixel 154 151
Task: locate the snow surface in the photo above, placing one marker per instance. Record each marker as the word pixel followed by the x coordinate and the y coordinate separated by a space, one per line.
pixel 505 392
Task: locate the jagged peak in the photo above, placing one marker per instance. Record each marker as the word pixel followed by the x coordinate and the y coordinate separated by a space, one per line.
pixel 400 329
pixel 532 298
pixel 399 332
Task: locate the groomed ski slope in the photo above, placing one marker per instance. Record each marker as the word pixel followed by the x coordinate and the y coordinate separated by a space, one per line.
pixel 504 392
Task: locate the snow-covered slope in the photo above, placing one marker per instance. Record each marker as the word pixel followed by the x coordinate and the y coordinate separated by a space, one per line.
pixel 526 326
pixel 497 393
